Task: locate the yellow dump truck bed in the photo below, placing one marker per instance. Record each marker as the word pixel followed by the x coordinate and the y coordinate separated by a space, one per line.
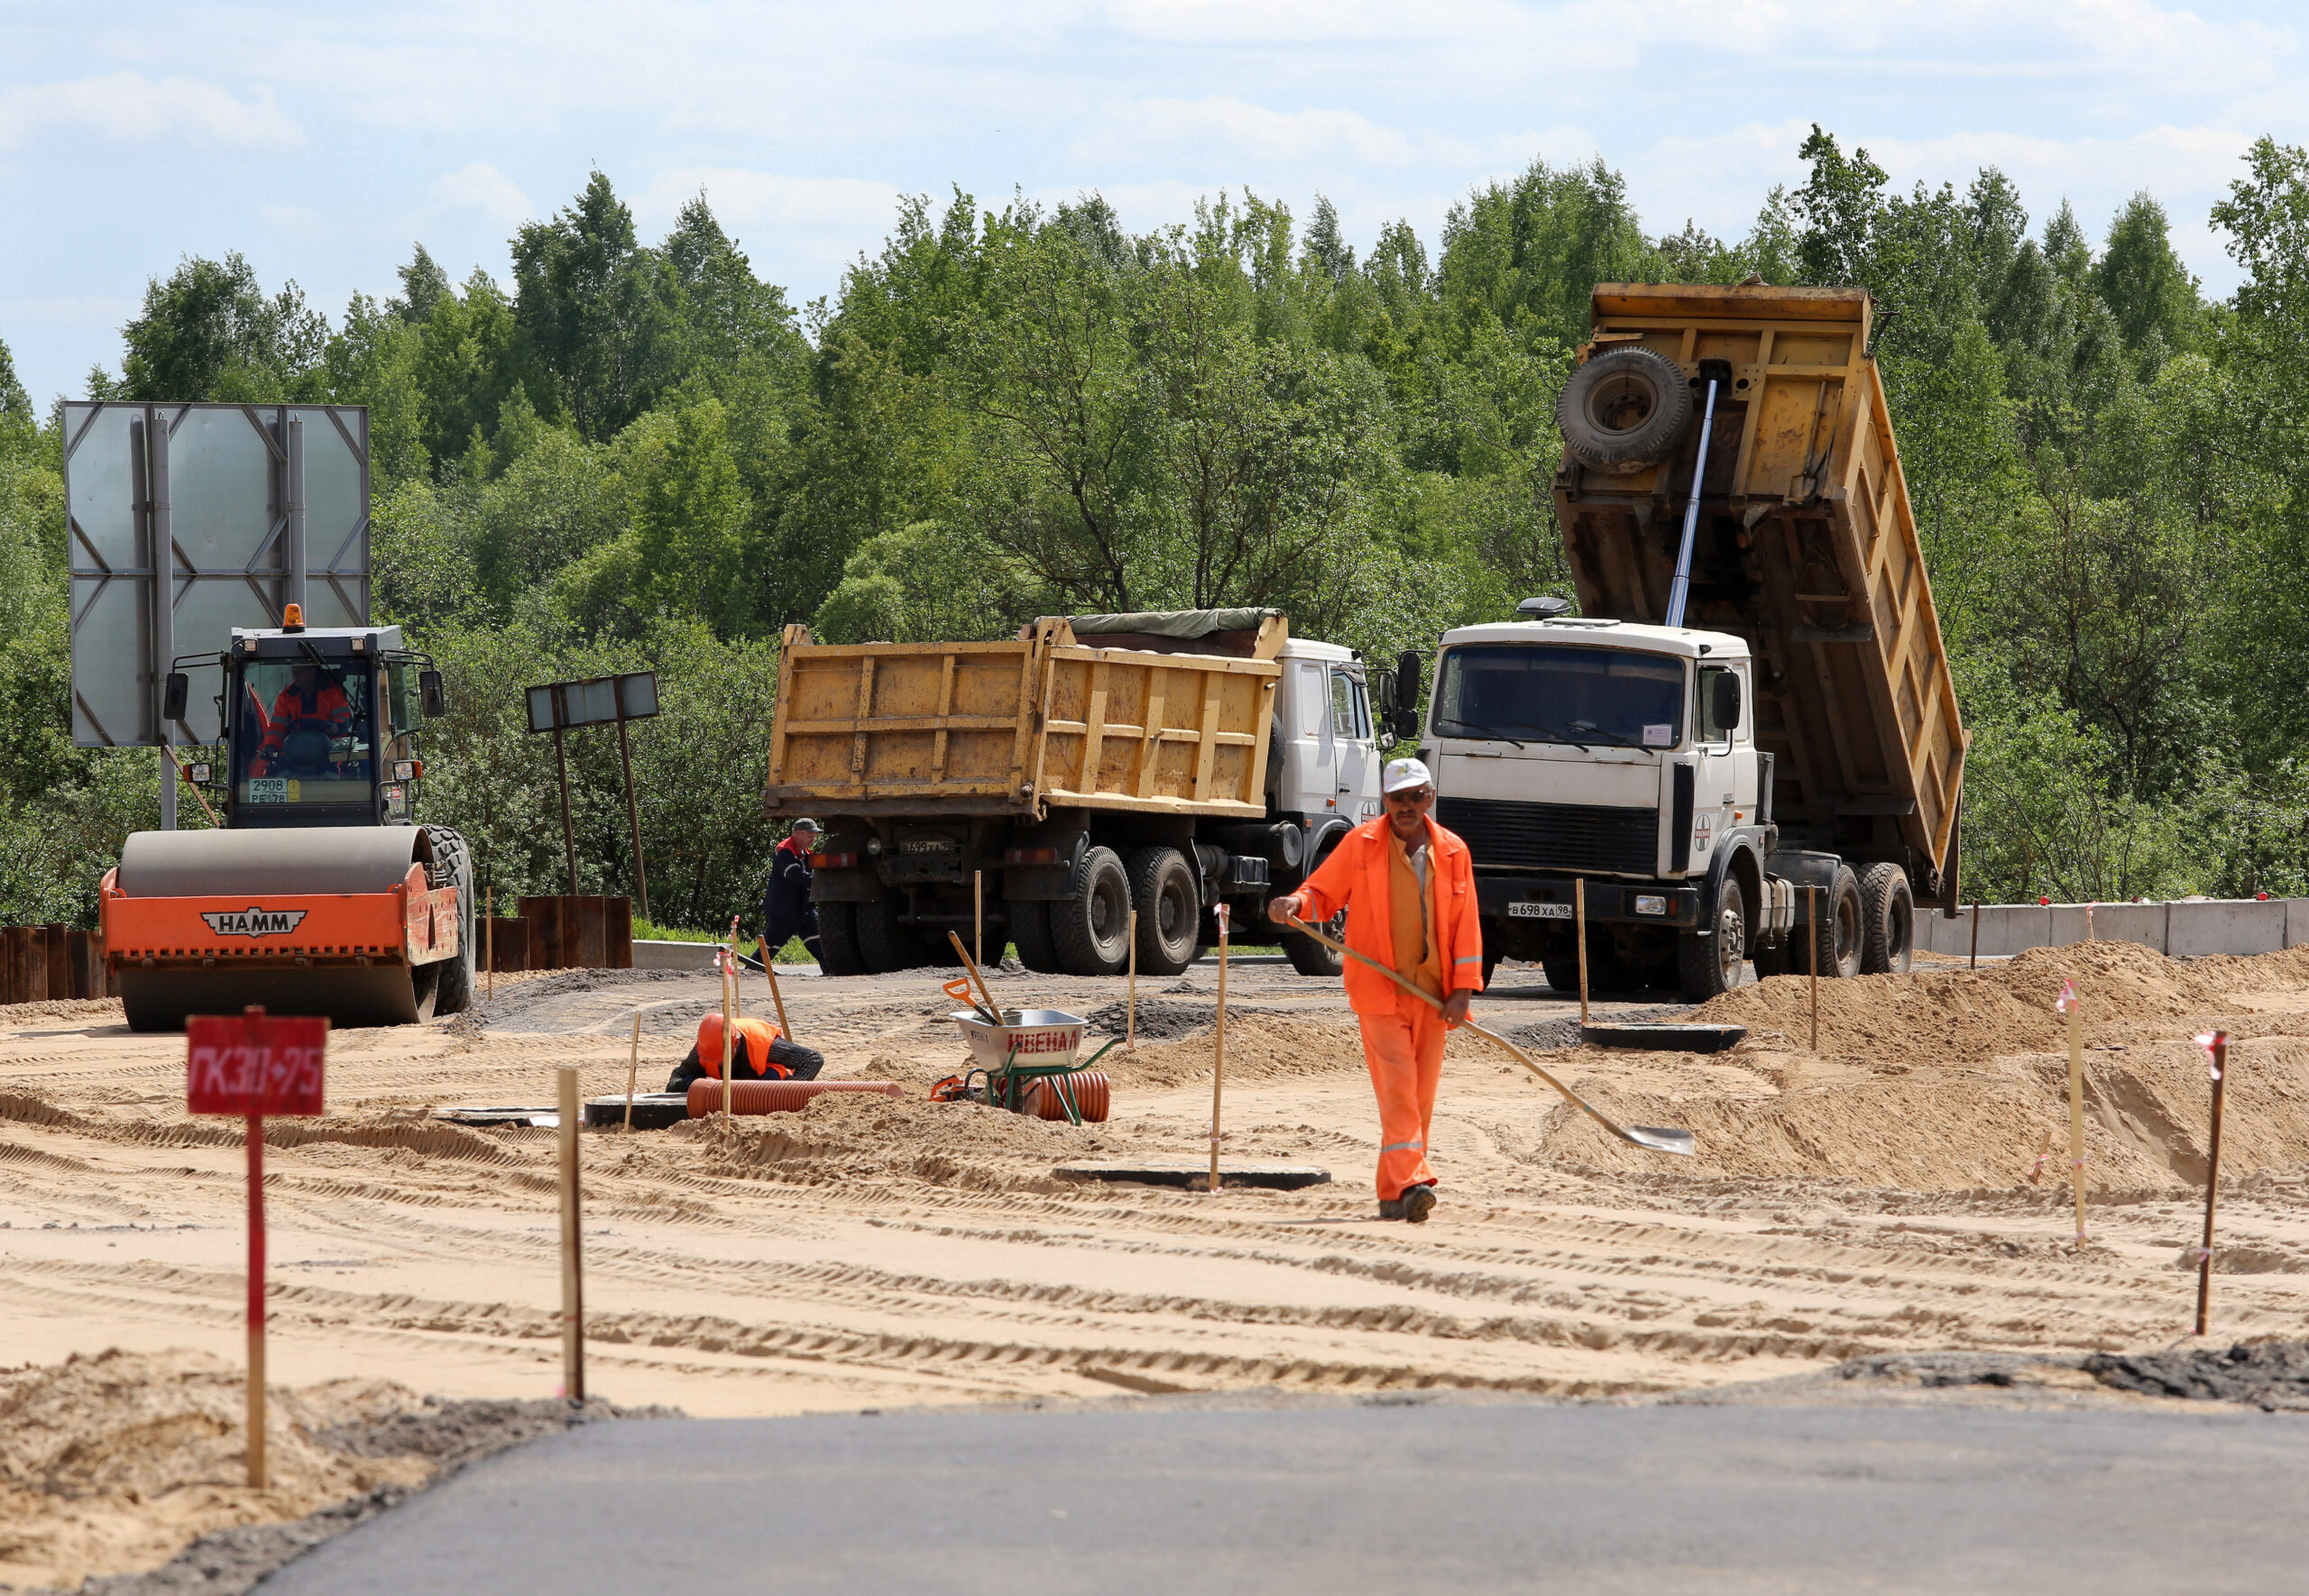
pixel 1019 727
pixel 1806 547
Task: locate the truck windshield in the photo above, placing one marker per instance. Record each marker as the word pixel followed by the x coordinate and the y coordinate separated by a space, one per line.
pixel 304 733
pixel 1555 693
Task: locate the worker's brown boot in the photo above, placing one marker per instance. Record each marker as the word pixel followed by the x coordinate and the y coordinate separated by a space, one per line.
pixel 1417 1204
pixel 1390 1207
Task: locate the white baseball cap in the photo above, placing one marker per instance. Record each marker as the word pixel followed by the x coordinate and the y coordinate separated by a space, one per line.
pixel 1405 774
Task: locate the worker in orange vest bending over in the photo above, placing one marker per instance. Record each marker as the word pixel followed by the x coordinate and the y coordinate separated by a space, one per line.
pixel 1409 890
pixel 758 1050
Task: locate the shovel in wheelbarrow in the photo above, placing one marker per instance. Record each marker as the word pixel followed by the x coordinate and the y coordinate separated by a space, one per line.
pixel 1653 1137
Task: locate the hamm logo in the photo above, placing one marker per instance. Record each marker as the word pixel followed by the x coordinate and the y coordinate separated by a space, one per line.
pixel 252 921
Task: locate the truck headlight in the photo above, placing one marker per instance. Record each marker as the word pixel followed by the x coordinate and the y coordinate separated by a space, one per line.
pixel 1649 903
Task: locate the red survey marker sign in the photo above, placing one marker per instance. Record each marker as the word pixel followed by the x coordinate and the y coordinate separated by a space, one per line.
pixel 254 1063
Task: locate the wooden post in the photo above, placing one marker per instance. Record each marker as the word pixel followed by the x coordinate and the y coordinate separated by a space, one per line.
pixel 1579 934
pixel 1812 955
pixel 573 1277
pixel 632 1071
pixel 257 1481
pixel 777 998
pixel 2218 1046
pixel 1976 933
pixel 977 918
pixel 728 1025
pixel 1219 1048
pixel 568 833
pixel 489 934
pixel 1130 998
pixel 632 814
pixel 2068 1004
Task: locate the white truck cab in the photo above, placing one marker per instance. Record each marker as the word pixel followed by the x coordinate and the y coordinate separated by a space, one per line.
pixel 1329 748
pixel 1622 754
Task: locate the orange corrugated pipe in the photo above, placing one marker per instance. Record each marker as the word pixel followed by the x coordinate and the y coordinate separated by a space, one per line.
pixel 1087 1087
pixel 776 1097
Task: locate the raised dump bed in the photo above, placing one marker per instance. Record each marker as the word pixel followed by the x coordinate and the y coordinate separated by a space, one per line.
pixel 1806 547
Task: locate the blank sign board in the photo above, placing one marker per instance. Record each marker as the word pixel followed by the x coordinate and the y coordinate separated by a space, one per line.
pixel 249 507
pixel 598 701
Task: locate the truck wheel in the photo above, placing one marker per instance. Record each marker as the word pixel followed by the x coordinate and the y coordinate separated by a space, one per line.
pixel 1563 972
pixel 1091 934
pixel 1030 930
pixel 1311 958
pixel 453 985
pixel 885 944
pixel 1624 411
pixel 838 952
pixel 1170 908
pixel 1836 942
pixel 1711 965
pixel 1888 914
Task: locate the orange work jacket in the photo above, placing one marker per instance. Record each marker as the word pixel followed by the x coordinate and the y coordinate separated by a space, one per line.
pixel 1354 877
pixel 748 1049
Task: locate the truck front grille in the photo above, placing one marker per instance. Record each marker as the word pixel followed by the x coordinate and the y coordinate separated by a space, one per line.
pixel 1555 836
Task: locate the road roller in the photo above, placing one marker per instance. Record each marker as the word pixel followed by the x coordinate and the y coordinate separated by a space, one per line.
pixel 315 892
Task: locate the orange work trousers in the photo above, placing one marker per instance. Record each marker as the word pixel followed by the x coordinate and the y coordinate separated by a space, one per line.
pixel 1404 1052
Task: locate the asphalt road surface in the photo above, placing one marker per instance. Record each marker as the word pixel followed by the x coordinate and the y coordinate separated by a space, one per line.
pixel 1430 1499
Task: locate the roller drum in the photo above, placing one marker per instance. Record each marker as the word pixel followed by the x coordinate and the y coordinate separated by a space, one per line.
pixel 227 864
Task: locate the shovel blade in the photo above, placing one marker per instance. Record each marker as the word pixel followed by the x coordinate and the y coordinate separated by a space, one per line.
pixel 1661 1141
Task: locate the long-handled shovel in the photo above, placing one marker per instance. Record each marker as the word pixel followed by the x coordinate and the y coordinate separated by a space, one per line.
pixel 1651 1136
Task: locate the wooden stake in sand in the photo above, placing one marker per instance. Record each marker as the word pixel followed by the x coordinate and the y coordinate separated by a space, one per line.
pixel 977 917
pixel 2216 1046
pixel 777 998
pixel 2066 1004
pixel 488 937
pixel 728 959
pixel 1812 955
pixel 1130 999
pixel 573 1277
pixel 1976 934
pixel 1218 1048
pixel 250 1066
pixel 1579 935
pixel 632 1071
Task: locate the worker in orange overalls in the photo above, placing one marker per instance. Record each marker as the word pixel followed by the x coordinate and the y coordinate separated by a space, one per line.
pixel 758 1050
pixel 1408 889
pixel 311 703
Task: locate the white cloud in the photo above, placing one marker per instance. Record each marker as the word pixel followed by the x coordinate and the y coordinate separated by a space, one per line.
pixel 128 107
pixel 743 197
pixel 482 188
pixel 1222 127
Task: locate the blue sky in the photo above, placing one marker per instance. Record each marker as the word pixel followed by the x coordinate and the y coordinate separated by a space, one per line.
pixel 322 141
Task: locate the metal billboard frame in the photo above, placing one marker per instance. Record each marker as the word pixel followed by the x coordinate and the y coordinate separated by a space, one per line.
pixel 235 513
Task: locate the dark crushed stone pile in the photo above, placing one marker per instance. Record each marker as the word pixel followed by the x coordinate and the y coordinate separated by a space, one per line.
pixel 228 1562
pixel 2271 1375
pixel 1546 1035
pixel 1168 1022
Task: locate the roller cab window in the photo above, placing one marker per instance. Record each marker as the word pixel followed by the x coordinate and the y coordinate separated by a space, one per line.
pixel 305 733
pixel 1553 692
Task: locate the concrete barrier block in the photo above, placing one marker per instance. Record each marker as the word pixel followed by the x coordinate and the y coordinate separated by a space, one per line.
pixel 2297 921
pixel 2144 924
pixel 672 955
pixel 2015 928
pixel 2240 926
pixel 1937 934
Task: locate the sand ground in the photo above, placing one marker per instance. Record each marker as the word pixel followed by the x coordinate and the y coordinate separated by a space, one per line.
pixel 1872 1196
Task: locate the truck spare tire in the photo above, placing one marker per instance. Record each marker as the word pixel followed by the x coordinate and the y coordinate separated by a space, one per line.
pixel 1624 411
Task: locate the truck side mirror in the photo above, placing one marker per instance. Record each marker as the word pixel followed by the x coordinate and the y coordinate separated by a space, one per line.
pixel 1409 670
pixel 174 692
pixel 1383 693
pixel 1727 708
pixel 431 696
pixel 1406 725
